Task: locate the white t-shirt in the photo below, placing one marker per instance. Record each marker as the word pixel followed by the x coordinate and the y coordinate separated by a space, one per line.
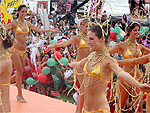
pixel 57 37
pixel 68 73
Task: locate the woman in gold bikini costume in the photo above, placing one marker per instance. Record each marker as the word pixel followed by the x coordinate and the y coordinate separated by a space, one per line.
pixel 130 49
pixel 82 52
pixel 98 67
pixel 141 60
pixel 5 70
pixel 21 29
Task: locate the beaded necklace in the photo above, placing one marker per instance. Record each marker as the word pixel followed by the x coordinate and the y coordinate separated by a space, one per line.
pixel 97 56
pixel 21 25
pixel 84 36
pixel 129 42
pixel 4 53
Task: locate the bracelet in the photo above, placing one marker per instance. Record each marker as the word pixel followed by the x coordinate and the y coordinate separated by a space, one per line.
pixel 119 72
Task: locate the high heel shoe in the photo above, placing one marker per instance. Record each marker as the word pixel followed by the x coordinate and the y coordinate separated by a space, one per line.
pixel 21 100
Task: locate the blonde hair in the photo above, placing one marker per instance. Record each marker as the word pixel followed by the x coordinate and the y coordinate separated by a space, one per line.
pixel 83 21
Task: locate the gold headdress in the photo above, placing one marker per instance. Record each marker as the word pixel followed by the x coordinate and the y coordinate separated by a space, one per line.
pixel 102 29
pixel 139 15
pixel 96 5
pixel 134 23
pixel 3 32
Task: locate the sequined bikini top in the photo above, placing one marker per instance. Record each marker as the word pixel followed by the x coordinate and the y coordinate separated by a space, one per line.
pixel 96 71
pixel 128 54
pixel 82 42
pixel 20 31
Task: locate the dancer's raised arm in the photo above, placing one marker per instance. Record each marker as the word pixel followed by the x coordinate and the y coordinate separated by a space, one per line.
pixel 13 25
pixel 64 44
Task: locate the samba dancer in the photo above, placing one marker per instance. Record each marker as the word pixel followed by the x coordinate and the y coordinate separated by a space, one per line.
pixel 98 67
pixel 21 29
pixel 141 60
pixel 82 52
pixel 130 49
pixel 5 70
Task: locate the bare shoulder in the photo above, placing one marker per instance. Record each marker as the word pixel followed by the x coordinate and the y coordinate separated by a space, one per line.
pixel 28 23
pixel 109 60
pixel 76 38
pixel 142 46
pixel 118 48
pixel 148 57
pixel 108 63
pixel 14 23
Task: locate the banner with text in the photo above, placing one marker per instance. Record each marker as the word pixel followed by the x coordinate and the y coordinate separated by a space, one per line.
pixel 14 3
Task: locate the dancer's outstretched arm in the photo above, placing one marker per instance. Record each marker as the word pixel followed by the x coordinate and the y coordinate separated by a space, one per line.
pixel 127 77
pixel 41 30
pixel 12 25
pixel 141 60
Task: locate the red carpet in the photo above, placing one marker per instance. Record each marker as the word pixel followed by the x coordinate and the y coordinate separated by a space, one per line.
pixel 37 103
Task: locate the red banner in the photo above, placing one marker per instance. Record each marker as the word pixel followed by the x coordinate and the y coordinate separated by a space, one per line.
pixel 42 5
